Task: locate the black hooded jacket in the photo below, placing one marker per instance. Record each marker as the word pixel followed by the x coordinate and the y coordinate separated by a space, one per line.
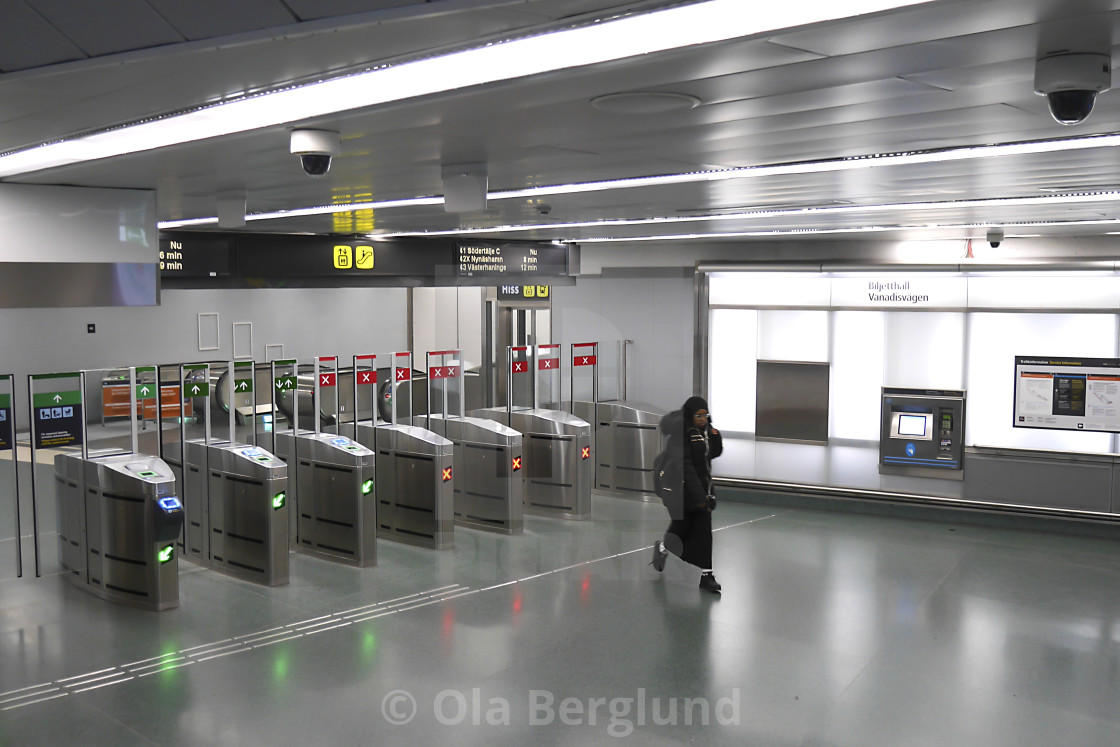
pixel 699 448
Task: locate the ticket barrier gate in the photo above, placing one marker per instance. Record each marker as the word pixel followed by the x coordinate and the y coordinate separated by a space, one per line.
pixel 922 433
pixel 557 465
pixel 237 510
pixel 332 497
pixel 415 492
pixel 489 476
pixel 626 443
pixel 118 519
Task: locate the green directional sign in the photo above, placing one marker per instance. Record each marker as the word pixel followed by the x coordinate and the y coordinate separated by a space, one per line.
pixel 146 391
pixel 243 385
pixel 5 400
pixel 56 399
pixel 285 383
pixel 196 388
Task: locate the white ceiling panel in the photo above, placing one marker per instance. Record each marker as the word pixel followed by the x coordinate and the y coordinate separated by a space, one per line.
pixel 206 19
pixel 108 26
pixel 947 74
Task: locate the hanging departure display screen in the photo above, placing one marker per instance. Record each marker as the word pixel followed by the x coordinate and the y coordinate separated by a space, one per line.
pixel 1077 394
pixel 507 258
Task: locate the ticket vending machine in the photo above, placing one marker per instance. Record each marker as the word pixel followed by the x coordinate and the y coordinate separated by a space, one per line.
pixel 922 433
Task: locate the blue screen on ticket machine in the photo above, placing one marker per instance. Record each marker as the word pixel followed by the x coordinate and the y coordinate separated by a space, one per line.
pixel 922 432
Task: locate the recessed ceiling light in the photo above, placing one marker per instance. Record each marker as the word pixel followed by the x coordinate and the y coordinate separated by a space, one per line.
pixel 644 102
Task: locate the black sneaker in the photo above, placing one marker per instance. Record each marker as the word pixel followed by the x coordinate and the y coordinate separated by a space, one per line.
pixel 708 583
pixel 659 555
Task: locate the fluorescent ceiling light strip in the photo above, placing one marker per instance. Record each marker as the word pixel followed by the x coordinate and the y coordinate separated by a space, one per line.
pixel 829 231
pixel 820 167
pixel 628 36
pixel 1072 198
pixel 786 212
pixel 318 210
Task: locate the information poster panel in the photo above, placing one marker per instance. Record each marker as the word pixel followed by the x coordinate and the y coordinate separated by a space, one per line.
pixel 58 419
pixel 1075 394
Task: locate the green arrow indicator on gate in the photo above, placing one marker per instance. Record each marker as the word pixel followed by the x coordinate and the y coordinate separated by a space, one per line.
pixel 197 389
pixel 145 391
pixel 285 383
pixel 54 399
pixel 243 385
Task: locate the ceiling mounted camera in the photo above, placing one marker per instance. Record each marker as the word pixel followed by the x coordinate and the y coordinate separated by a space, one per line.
pixel 315 149
pixel 1070 81
pixel 994 237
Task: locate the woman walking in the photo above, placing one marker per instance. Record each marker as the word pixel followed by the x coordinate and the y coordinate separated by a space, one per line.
pixel 689 536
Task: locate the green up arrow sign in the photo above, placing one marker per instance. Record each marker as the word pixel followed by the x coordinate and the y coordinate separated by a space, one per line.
pixel 56 399
pixel 243 385
pixel 196 388
pixel 145 391
pixel 285 383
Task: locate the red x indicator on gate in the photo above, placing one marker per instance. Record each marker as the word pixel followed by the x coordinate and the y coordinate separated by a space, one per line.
pixel 446 474
pixel 404 374
pixel 367 377
pixel 516 463
pixel 326 379
pixel 520 367
pixel 586 453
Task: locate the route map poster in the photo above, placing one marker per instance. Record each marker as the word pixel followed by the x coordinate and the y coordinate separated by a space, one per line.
pixel 1075 394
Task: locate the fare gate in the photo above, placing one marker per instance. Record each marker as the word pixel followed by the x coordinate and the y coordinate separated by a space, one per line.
pixel 557 462
pixel 332 497
pixel 626 436
pixel 117 509
pixel 489 478
pixel 9 482
pixel 235 492
pixel 415 498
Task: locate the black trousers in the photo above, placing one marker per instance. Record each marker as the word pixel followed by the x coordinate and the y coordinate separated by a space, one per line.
pixel 690 539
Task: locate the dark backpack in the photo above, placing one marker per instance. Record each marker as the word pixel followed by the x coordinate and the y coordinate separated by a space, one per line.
pixel 668 475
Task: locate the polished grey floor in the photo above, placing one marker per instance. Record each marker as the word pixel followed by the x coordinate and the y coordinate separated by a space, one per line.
pixel 834 629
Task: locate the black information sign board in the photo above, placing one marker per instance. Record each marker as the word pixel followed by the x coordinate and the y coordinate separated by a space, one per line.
pixel 58 419
pixel 5 424
pixel 476 258
pixel 260 260
pixel 524 292
pixel 194 255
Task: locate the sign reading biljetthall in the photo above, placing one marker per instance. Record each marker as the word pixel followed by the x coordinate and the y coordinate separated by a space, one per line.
pixel 1076 394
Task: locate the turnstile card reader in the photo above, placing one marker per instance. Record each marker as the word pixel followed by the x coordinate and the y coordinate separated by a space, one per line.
pixel 237 510
pixel 415 487
pixel 118 518
pixel 922 433
pixel 558 461
pixel 333 498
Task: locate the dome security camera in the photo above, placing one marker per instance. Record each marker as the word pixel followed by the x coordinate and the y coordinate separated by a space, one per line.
pixel 994 237
pixel 315 149
pixel 1070 81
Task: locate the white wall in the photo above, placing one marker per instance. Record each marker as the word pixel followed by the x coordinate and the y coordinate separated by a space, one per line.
pixel 655 312
pixel 307 321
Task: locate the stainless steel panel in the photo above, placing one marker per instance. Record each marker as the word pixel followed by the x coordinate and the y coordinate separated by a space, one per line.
pixel 557 474
pixel 334 519
pixel 489 491
pixel 415 504
pixel 626 443
pixel 108 507
pixel 792 401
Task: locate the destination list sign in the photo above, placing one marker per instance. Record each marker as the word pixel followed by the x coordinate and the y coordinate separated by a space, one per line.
pixel 492 258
